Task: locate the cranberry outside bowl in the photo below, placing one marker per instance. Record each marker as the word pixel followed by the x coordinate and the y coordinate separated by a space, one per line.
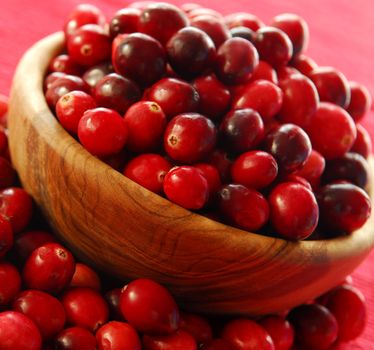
pixel 127 231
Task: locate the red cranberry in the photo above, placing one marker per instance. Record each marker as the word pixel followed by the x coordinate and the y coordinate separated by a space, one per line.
pixel 112 298
pixel 94 74
pixel 264 71
pixel 243 19
pixel 300 100
pixel 180 340
pixel 124 21
pixel 212 176
pixel 222 162
pixel 189 137
pixel 315 326
pixel 202 11
pixel 43 309
pixel 236 60
pixel 10 284
pixel 51 78
pixel 75 338
pixel 245 334
pixel 65 64
pixel 280 331
pixel 360 102
pixel 313 168
pixel 190 52
pixel 343 207
pixel 85 277
pixel 102 131
pixel 274 46
pixel 139 57
pixel 296 28
pixel 3 137
pixel 7 173
pixel 117 336
pixel 149 307
pixel 217 344
pixel 332 85
pixel 174 96
pixel 18 332
pixel 243 32
pixel 6 236
pixel 304 64
pixel 214 96
pixel 286 72
pixel 16 206
pixel 148 170
pixel 85 308
pixel 241 130
pixel 332 131
pixel 70 109
pixel 197 326
pixel 263 96
pixel 49 268
pixel 362 144
pixel 296 179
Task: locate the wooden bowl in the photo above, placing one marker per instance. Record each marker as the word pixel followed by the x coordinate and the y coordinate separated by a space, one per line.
pixel 125 230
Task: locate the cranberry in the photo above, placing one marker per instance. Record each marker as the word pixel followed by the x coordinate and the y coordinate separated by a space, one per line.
pixel 174 96
pixel 85 277
pixel 274 46
pixel 315 326
pixel 180 340
pixel 112 298
pixel 202 11
pixel 243 32
pixel 51 78
pixel 217 344
pixel 10 284
pixel 263 96
pixel 360 102
pixel 3 139
pixel 102 131
pixel 8 174
pixel 300 100
pixel 304 64
pixel 148 170
pixel 290 146
pixel 212 176
pixel 117 336
pixel 222 162
pixel 332 131
pixel 362 144
pixel 241 130
pixel 286 72
pixel 187 187
pixel 264 71
pixel 65 64
pixel 49 268
pixel 75 338
pixel 6 236
pixel 280 331
pixel 85 308
pixel 18 332
pixel 189 137
pixel 124 21
pixel 243 19
pixel 245 334
pixel 139 57
pixel 94 74
pixel 190 52
pixel 343 207
pixel 197 326
pixel 313 168
pixel 348 306
pixel 16 206
pixel 70 109
pixel 214 96
pixel 297 179
pixel 332 85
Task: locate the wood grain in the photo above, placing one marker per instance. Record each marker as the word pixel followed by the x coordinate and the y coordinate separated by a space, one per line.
pixel 129 232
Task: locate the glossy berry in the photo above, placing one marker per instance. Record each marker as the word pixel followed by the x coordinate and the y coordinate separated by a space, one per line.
pixel 312 169
pixel 343 207
pixel 51 78
pixel 315 327
pixel 189 137
pixel 94 74
pixel 65 64
pixel 180 340
pixel 10 283
pixel 149 307
pixel 6 236
pixel 222 161
pixel 18 332
pixel 280 331
pixel 148 170
pixel 86 308
pixel 71 107
pixel 49 268
pixel 124 20
pixel 243 32
pixel 362 144
pixel 85 277
pixel 304 64
pixel 217 344
pixel 112 298
pixel 117 336
pixel 244 19
pixel 102 131
pixel 236 60
pixel 264 71
pixel 286 72
pixel 212 176
pixel 75 338
pixel 190 52
pixel 360 101
pixel 297 179
pixel 197 326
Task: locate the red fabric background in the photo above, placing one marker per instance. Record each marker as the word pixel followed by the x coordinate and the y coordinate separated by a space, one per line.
pixel 341 36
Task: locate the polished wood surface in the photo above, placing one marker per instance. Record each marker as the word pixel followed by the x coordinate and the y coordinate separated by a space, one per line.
pixel 127 231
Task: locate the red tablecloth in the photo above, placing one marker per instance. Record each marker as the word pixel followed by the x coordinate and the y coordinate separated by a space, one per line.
pixel 341 36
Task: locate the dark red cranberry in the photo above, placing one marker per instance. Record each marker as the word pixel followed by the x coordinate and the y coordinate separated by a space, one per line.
pixel 214 96
pixel 332 131
pixel 304 64
pixel 343 207
pixel 85 277
pixel 75 338
pixel 148 170
pixel 94 74
pixel 124 21
pixel 312 169
pixel 237 58
pixel 212 176
pixel 10 284
pixel 16 206
pixel 197 326
pixel 217 344
pixel 7 173
pixel 241 130
pixel 360 102
pixel 112 298
pixel 315 326
pixel 6 237
pixel 65 64
pixel 149 307
pixel 280 331
pixel 85 308
pixel 139 57
pixel 264 71
pixel 300 100
pixel 189 137
pixel 243 32
pixel 362 144
pixel 117 336
pixel 71 107
pixel 332 85
pixel 243 19
pixel 18 332
pixel 190 52
pixel 220 159
pixel 274 46
pixel 102 131
pixel 49 268
pixel 179 340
